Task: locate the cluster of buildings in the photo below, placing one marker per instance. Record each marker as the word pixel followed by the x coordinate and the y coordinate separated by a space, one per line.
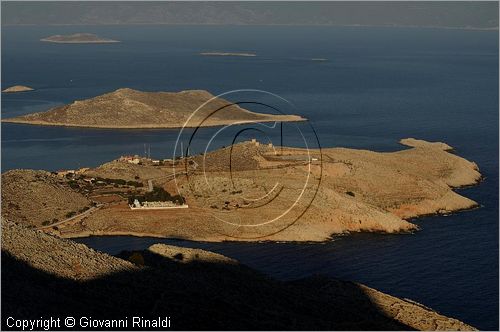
pixel 156 205
pixel 135 159
pixel 257 143
pixel 65 172
pixel 131 159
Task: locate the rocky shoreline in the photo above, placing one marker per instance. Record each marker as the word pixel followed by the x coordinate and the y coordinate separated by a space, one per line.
pixel 283 118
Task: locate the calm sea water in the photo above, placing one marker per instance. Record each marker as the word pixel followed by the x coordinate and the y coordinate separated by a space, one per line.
pixel 377 86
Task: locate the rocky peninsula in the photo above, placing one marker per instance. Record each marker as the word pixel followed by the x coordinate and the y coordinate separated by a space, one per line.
pixel 78 38
pixel 191 287
pixel 17 88
pixel 128 108
pixel 347 191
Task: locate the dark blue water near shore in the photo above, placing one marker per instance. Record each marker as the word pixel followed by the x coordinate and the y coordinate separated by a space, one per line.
pixel 377 86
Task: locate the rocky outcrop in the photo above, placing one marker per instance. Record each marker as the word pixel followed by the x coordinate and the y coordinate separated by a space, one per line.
pixel 189 255
pixel 418 143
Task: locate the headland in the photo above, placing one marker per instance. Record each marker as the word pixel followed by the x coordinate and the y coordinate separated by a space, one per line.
pixel 247 192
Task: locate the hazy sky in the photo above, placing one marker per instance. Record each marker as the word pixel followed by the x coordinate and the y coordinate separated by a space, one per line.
pixel 472 14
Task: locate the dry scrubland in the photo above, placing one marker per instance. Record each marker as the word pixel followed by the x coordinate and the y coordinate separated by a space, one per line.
pixel 269 197
pixel 128 108
pixel 119 170
pixel 191 286
pixel 37 198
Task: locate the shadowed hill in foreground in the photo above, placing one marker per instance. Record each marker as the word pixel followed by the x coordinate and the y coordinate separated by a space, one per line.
pixel 46 276
pixel 128 108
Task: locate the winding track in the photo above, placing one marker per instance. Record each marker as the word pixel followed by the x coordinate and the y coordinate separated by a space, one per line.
pixel 87 212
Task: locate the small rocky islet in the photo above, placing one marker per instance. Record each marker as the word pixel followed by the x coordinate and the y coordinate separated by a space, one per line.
pixel 78 38
pixel 17 88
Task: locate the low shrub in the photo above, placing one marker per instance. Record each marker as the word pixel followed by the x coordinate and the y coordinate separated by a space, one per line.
pixel 73 184
pixel 135 183
pixel 70 214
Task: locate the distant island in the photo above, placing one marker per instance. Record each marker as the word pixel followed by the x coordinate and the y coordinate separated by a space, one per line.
pixel 78 38
pixel 17 88
pixel 128 108
pixel 227 54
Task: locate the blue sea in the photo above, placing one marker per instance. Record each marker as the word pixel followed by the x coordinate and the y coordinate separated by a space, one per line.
pixel 376 86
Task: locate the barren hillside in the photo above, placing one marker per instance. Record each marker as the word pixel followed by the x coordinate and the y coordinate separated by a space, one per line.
pixel 38 198
pixel 128 108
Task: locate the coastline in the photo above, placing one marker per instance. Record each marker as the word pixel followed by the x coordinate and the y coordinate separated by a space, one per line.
pixel 101 233
pixel 87 234
pixel 286 118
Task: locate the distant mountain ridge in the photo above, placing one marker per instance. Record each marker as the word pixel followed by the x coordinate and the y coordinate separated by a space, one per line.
pixel 474 15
